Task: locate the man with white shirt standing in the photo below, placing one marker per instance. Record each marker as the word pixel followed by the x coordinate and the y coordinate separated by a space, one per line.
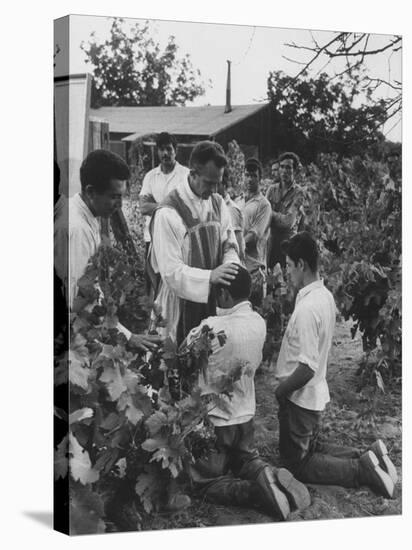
pixel 193 244
pixel 303 392
pixel 103 176
pixel 234 473
pixel 158 182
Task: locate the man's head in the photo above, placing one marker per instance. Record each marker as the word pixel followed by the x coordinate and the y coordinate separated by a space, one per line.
pixel 302 258
pixel 238 291
pixel 103 176
pixel 274 171
pixel 207 163
pixel 166 150
pixel 288 164
pixel 253 173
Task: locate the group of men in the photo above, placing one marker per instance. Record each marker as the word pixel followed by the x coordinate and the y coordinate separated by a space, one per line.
pixel 203 250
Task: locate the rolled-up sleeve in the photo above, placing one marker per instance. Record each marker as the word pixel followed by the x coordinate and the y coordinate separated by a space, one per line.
pixel 307 328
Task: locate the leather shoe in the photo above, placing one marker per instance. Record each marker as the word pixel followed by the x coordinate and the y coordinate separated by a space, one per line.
pixel 380 450
pixel 371 474
pixel 276 502
pixel 295 491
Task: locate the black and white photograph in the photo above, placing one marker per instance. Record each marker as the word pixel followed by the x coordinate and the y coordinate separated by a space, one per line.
pixel 227 274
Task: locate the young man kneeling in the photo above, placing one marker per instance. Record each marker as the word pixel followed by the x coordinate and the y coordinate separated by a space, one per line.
pixel 303 391
pixel 233 473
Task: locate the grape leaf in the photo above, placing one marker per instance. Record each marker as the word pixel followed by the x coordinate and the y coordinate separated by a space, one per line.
pixel 113 380
pixel 156 422
pixel 78 374
pixel 80 414
pixel 80 464
pixel 106 460
pixel 86 512
pixel 61 459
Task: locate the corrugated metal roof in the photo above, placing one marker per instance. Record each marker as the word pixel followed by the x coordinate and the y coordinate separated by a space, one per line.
pixel 197 121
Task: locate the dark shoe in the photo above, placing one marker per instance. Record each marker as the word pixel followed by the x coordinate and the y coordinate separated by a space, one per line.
pixel 296 492
pixel 178 502
pixel 276 502
pixel 380 450
pixel 371 474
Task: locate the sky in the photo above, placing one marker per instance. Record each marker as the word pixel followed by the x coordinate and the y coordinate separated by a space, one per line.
pixel 253 51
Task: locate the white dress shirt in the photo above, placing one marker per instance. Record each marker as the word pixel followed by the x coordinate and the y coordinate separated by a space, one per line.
pixel 170 252
pixel 158 185
pixel 308 339
pixel 245 333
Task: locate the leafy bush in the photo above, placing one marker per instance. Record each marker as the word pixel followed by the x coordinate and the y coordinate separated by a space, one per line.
pixel 136 420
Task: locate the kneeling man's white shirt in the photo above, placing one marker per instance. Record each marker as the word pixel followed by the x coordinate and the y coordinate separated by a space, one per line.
pixel 308 339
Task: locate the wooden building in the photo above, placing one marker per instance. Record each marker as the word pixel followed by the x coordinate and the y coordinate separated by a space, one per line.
pixel 250 125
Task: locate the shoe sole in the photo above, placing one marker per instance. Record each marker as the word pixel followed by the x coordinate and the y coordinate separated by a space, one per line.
pixel 382 480
pixel 276 500
pixel 380 450
pixel 296 492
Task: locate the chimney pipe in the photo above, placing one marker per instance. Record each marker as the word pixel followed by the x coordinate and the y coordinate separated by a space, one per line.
pixel 228 107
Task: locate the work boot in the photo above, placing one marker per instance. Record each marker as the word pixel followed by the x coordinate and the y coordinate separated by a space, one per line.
pixel 295 491
pixel 372 475
pixel 274 500
pixel 380 450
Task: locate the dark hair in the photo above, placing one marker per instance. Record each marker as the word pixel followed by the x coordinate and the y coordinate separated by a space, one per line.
pixel 292 156
pixel 164 138
pixel 254 164
pixel 241 285
pixel 100 167
pixel 206 151
pixel 302 246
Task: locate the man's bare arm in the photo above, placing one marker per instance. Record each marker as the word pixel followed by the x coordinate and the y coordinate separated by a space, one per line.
pixel 299 377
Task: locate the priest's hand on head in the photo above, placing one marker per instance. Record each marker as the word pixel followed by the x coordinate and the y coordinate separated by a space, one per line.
pixel 224 274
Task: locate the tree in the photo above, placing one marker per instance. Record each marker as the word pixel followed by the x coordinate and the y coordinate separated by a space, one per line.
pixel 353 50
pixel 321 114
pixel 130 69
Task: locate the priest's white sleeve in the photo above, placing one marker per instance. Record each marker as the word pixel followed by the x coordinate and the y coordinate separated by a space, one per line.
pixel 189 283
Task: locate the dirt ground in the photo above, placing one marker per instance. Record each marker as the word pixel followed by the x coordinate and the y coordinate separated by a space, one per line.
pixel 340 425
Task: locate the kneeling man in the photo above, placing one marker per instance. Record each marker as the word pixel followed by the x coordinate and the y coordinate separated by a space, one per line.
pixel 234 473
pixel 303 391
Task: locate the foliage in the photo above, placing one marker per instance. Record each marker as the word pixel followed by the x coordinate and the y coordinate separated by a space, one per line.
pixel 357 219
pixel 136 421
pixel 315 115
pixel 350 51
pixel 236 168
pixel 130 69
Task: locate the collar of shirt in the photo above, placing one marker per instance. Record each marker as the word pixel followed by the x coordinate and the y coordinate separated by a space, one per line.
pixel 308 288
pixel 246 305
pixel 158 171
pixel 256 197
pixel 85 210
pixel 190 195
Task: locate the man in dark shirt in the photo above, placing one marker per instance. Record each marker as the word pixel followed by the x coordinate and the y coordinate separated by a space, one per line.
pixel 287 212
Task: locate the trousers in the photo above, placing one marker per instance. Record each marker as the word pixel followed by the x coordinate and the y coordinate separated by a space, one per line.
pixel 309 460
pixel 226 475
